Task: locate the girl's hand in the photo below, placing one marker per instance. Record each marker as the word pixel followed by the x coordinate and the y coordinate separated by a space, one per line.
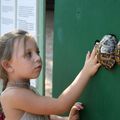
pixel 74 112
pixel 91 65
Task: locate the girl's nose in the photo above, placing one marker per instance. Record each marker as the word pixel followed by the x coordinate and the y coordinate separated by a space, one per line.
pixel 37 58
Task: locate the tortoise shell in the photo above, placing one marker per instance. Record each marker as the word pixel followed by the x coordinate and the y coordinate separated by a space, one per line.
pixel 105 50
pixel 117 53
pixel 108 44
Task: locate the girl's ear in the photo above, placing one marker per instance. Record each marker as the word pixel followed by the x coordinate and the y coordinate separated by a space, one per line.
pixel 6 65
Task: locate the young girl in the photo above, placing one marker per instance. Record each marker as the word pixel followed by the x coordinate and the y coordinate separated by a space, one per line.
pixel 20 62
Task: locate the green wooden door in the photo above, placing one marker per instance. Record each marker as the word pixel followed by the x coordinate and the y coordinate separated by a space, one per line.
pixel 78 23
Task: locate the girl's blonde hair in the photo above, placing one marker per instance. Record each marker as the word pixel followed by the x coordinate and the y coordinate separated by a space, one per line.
pixel 6 49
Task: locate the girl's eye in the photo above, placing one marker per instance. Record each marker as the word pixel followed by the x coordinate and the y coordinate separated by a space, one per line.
pixel 38 52
pixel 28 54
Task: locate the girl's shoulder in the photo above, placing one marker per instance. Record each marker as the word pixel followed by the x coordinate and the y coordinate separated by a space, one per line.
pixel 11 93
pixel 25 100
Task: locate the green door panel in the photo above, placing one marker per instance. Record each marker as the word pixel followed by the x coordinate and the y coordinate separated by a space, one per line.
pixel 78 23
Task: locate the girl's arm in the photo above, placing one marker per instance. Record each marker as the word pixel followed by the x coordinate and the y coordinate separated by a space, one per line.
pixel 73 92
pixel 26 100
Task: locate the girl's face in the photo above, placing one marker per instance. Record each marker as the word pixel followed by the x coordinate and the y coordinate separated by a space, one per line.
pixel 25 62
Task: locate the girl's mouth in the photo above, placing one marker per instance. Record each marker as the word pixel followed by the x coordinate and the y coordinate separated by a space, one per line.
pixel 38 67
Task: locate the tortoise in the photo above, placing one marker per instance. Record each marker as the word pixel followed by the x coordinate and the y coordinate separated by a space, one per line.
pixel 105 50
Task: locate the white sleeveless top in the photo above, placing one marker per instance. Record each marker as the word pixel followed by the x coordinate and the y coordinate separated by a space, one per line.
pixel 29 116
